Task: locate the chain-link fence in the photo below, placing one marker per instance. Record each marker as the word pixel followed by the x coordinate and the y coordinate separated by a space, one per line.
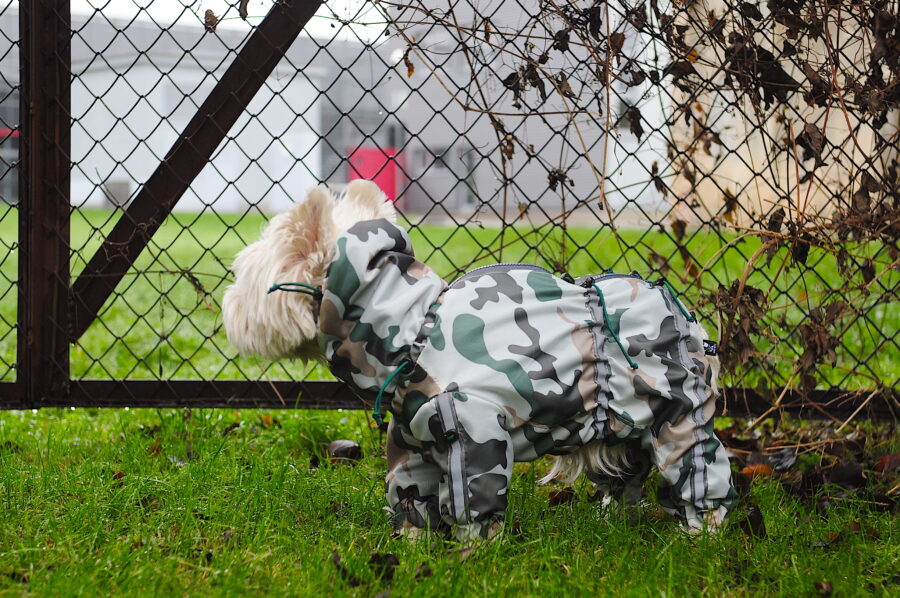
pixel 746 152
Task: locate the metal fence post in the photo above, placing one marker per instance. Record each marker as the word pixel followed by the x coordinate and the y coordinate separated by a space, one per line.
pixel 44 207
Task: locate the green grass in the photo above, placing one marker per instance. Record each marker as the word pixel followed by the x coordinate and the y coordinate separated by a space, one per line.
pixel 98 502
pixel 151 503
pixel 164 321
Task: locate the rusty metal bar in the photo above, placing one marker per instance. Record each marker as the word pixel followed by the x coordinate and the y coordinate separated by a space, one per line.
pixel 42 368
pixel 234 394
pixel 241 394
pixel 811 404
pixel 187 157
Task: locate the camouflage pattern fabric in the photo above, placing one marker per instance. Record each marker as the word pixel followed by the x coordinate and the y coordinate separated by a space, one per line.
pixel 510 363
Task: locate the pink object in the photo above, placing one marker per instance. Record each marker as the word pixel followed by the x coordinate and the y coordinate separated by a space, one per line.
pixel 376 164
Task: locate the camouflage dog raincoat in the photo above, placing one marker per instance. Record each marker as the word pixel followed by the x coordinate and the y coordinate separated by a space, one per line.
pixel 509 363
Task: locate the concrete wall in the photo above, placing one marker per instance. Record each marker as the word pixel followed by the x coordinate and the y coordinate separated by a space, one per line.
pixel 757 162
pixel 130 106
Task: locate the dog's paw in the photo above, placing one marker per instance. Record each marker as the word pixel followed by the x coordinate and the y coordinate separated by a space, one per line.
pixel 411 533
pixel 708 522
pixel 473 533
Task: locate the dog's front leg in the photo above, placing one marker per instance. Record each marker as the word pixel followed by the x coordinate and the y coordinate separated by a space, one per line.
pixel 450 467
pixel 477 456
pixel 412 485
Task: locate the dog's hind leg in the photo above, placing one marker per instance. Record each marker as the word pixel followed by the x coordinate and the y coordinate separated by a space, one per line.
pixel 695 474
pixel 627 484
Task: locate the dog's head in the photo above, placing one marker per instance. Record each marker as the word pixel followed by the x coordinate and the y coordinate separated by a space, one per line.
pixel 296 246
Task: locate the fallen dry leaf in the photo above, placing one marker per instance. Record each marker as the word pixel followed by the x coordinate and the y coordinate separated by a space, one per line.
pixel 266 421
pixel 344 451
pixel 338 508
pixel 752 524
pixel 383 564
pixel 561 496
pixel 757 470
pixel 633 115
pixel 156 448
pixel 888 463
pixel 848 474
pixel 352 580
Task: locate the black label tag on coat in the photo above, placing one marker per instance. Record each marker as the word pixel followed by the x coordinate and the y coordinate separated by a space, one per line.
pixel 710 347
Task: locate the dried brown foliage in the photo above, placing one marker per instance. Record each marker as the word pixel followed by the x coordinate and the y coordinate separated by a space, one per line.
pixel 773 122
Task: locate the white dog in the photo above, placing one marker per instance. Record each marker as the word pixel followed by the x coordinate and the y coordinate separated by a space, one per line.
pixel 505 364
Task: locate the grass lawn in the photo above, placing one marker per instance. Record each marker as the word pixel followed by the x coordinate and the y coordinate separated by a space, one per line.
pixel 143 502
pixel 164 321
pixel 166 503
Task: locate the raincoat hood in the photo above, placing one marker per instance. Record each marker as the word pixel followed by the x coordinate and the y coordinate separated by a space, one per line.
pixel 374 302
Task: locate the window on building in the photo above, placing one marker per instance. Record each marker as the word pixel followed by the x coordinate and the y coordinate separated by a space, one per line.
pixel 363 126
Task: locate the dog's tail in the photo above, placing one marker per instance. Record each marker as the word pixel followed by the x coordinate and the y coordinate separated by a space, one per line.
pixel 594 457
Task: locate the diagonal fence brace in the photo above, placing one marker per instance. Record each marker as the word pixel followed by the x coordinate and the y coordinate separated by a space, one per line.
pixel 187 157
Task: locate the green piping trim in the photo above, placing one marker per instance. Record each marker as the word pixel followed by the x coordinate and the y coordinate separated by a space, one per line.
pixel 306 289
pixel 377 412
pixel 690 317
pixel 609 327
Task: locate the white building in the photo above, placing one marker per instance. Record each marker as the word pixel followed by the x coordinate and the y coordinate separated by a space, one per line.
pixel 329 112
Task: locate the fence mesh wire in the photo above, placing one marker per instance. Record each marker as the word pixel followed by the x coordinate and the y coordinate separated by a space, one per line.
pixel 745 151
pixel 9 189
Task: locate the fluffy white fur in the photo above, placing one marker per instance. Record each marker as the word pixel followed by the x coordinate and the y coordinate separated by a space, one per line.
pixel 596 457
pixel 295 246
